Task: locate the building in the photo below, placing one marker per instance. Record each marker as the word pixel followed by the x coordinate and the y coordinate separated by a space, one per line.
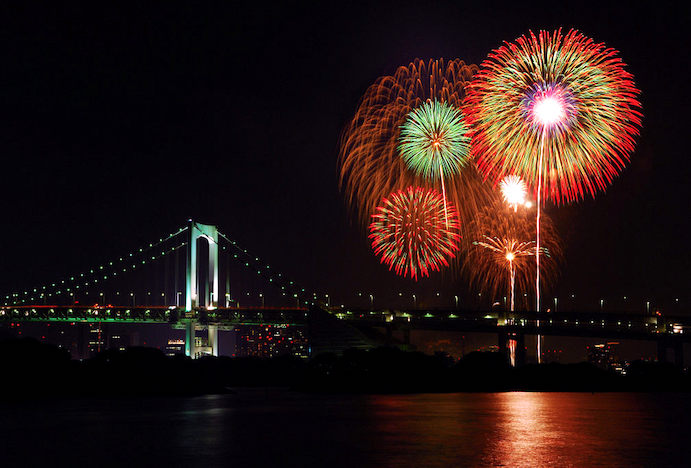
pixel 604 356
pixel 175 347
pixel 267 341
pixel 118 342
pixel 96 339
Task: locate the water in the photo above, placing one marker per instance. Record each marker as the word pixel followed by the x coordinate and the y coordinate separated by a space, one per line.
pixel 279 428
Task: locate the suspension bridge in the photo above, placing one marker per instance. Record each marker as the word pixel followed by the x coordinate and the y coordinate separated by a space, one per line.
pixel 201 301
pixel 200 309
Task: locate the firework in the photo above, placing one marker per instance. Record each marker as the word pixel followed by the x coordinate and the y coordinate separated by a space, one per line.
pixel 559 111
pixel 510 250
pixel 503 250
pixel 566 92
pixel 434 140
pixel 513 189
pixel 410 233
pixel 371 166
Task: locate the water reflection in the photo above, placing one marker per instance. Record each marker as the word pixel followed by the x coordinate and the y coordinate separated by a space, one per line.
pixel 526 434
pixel 281 428
pixel 530 429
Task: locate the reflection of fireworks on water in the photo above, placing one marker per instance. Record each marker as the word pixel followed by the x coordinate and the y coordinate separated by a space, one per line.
pixel 371 166
pixel 575 93
pixel 410 233
pixel 503 251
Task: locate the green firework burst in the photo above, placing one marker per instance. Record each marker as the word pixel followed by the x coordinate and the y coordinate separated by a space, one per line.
pixel 435 138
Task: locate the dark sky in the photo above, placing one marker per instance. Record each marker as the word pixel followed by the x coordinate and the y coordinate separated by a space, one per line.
pixel 121 121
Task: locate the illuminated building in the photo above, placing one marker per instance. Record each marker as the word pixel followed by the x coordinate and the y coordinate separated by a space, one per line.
pixel 96 339
pixel 175 347
pixel 268 341
pixel 202 347
pixel 603 355
pixel 118 342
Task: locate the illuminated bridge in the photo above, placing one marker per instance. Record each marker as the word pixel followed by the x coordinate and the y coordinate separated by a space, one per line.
pixel 154 314
pixel 197 286
pixel 667 331
pixel 203 302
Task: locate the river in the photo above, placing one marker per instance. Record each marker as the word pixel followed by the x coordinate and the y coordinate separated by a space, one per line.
pixel 279 428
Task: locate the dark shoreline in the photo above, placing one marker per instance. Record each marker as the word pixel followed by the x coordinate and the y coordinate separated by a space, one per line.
pixel 35 369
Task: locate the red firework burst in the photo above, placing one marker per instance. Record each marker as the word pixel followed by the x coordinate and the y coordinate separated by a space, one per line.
pixel 565 94
pixel 411 234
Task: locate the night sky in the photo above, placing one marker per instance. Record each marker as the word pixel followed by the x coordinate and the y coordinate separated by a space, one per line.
pixel 121 121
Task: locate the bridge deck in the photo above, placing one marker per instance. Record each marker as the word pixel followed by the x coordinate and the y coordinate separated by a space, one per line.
pixel 576 324
pixel 140 315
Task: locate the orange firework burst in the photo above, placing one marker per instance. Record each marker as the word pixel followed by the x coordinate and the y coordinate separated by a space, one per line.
pixel 371 165
pixel 503 250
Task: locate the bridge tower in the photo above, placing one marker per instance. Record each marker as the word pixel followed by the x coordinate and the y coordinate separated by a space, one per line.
pixel 196 296
pixel 192 297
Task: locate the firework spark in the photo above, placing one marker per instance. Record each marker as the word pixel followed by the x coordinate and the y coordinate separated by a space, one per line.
pixel 510 250
pixel 565 91
pixel 513 189
pixel 559 111
pixel 434 140
pixel 371 166
pixel 504 240
pixel 409 231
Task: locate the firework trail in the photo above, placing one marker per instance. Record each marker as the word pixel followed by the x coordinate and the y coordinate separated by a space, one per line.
pixel 560 111
pixel 434 142
pixel 384 126
pixel 565 91
pixel 503 250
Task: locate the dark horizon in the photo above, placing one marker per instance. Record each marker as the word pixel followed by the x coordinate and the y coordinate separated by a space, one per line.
pixel 122 122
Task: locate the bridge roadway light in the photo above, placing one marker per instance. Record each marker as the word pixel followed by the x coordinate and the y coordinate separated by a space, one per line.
pixel 456 299
pixel 371 302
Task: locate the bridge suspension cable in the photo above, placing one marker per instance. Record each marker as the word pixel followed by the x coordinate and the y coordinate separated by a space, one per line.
pixel 103 272
pixel 278 279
